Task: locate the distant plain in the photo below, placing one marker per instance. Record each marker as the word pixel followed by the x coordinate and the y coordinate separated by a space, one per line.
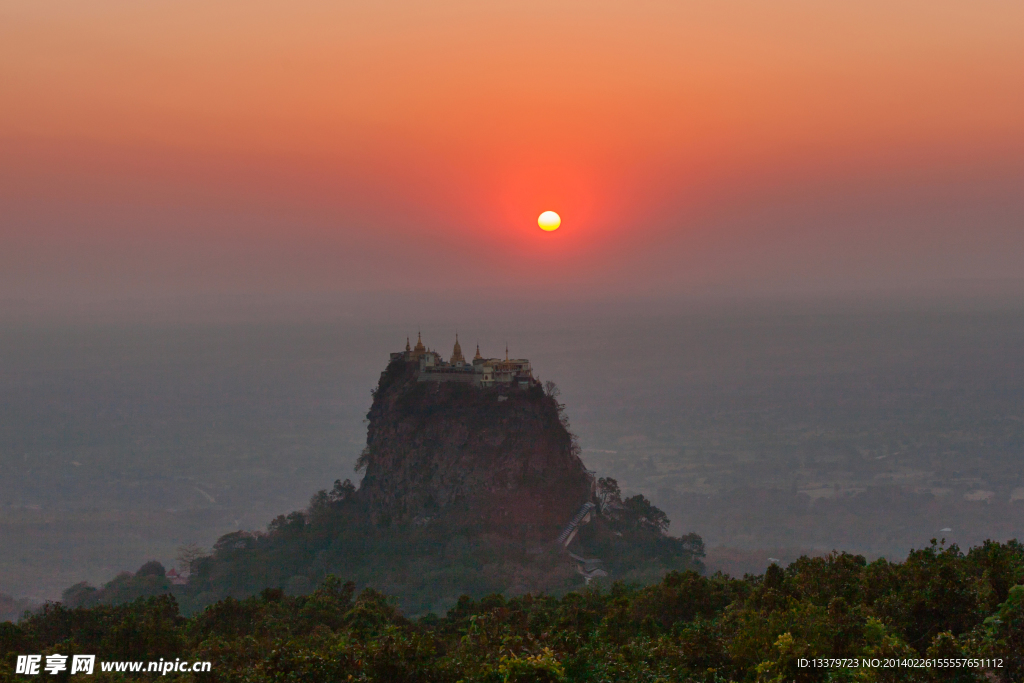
pixel 769 432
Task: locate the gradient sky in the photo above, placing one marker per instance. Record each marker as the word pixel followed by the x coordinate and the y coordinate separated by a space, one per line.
pixel 175 147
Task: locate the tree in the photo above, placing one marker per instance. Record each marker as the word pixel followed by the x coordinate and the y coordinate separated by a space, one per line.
pixel 151 568
pixel 363 460
pixel 608 491
pixel 291 523
pixel 343 490
pixel 78 595
pixel 187 554
pixel 646 515
pixel 551 389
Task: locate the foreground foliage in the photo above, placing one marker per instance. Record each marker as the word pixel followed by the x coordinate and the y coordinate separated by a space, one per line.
pixel 939 603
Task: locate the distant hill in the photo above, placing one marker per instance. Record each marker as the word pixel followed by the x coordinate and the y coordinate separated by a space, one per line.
pixel 12 608
pixel 468 491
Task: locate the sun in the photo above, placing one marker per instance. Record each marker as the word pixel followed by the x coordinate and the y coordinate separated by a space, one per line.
pixel 549 220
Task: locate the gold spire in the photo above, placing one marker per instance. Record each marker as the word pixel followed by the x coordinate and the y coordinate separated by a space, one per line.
pixel 478 356
pixel 419 349
pixel 457 352
pixel 407 347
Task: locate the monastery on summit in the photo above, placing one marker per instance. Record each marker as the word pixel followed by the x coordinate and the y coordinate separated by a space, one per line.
pixel 481 372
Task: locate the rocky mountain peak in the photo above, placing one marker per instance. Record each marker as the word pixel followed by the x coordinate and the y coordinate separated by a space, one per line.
pixel 501 455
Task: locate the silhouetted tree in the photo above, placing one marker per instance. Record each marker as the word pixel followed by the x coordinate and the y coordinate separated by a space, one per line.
pixel 187 554
pixel 645 515
pixel 608 492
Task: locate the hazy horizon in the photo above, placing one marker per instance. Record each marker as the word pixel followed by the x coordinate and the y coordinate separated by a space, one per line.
pixel 767 430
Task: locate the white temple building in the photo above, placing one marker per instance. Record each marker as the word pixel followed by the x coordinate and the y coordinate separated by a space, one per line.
pixel 481 372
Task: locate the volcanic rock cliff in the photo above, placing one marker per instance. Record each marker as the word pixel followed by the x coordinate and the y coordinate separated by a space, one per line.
pixel 501 456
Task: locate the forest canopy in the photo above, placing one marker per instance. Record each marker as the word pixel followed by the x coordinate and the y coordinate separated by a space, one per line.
pixel 939 604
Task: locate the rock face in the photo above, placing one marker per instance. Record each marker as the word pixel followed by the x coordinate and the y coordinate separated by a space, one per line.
pixel 499 456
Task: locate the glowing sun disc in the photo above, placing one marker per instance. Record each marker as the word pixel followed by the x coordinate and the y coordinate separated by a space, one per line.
pixel 549 220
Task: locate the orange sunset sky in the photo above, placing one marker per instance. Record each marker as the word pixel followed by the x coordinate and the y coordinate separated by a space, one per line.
pixel 165 147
